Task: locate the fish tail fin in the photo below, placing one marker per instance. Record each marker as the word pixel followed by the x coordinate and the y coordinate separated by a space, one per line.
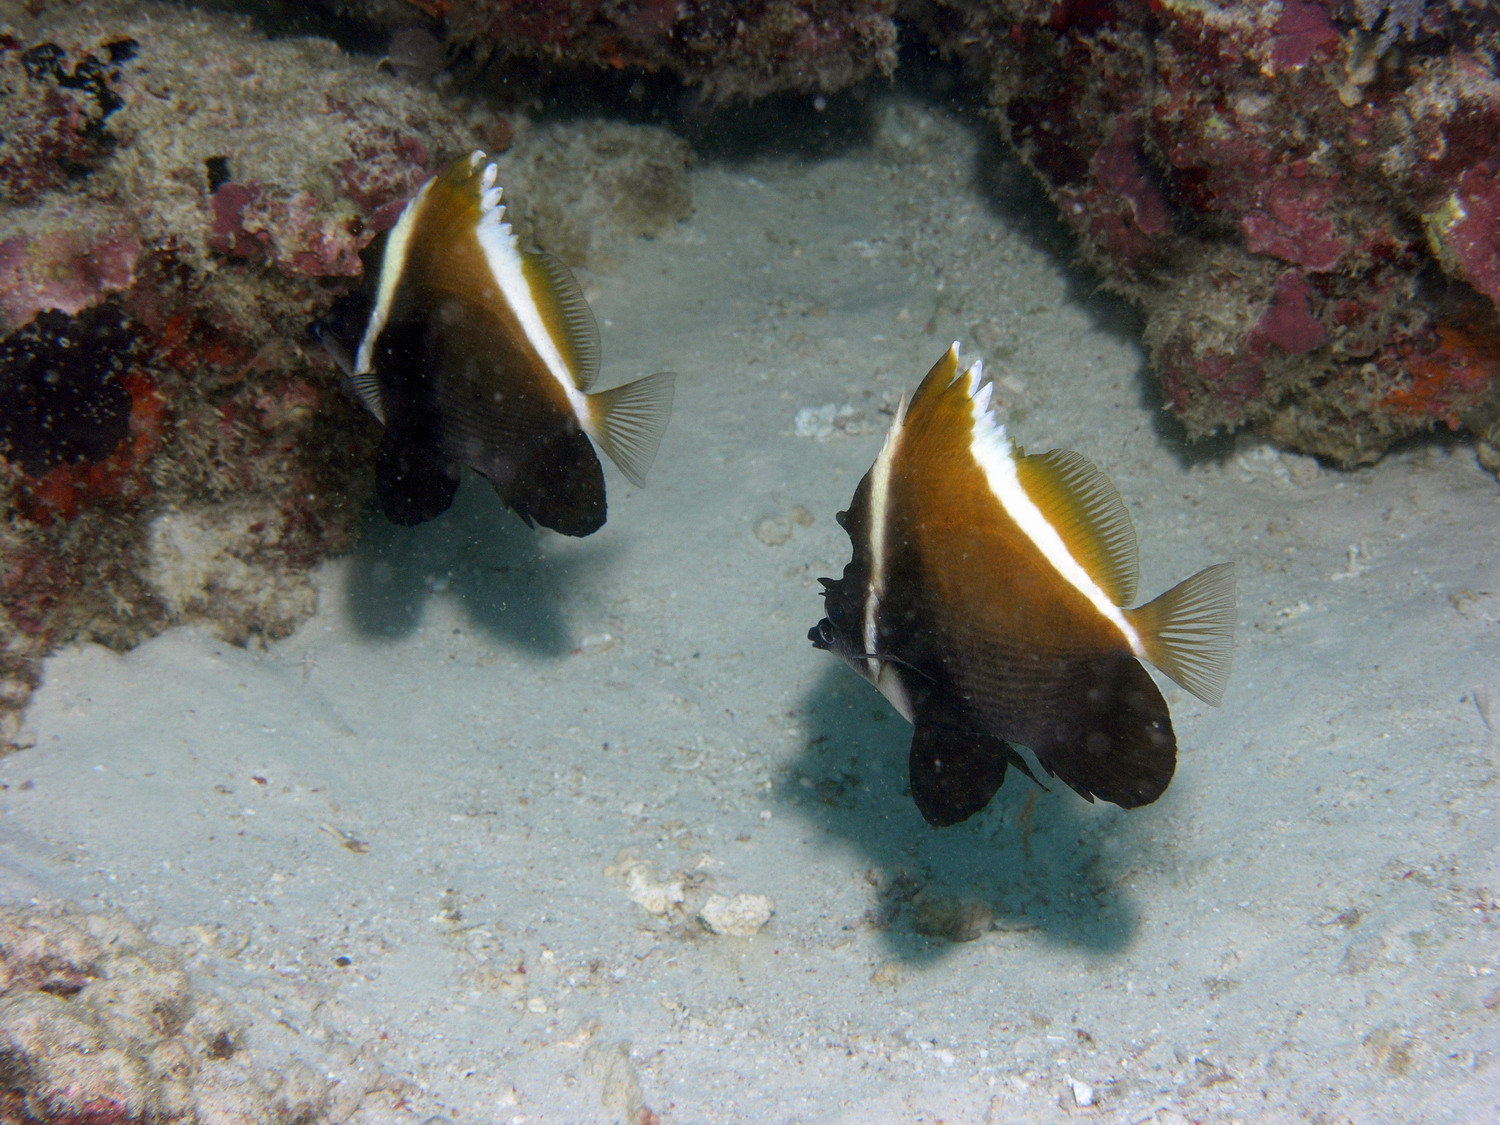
pixel 629 422
pixel 1188 632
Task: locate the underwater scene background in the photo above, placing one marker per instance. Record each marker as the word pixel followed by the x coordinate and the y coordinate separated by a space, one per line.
pixel 310 817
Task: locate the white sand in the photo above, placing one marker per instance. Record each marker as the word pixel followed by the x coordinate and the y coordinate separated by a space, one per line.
pixel 437 777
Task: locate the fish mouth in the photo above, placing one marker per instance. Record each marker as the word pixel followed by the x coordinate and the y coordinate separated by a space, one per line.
pixel 822 635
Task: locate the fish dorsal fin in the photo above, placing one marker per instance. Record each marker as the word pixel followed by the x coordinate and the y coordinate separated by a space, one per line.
pixel 566 314
pixel 465 203
pixel 945 412
pixel 457 208
pixel 1084 508
pixel 938 380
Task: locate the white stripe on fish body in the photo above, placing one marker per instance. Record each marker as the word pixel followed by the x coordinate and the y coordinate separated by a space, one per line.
pixel 503 254
pixel 996 456
pixel 392 266
pixel 880 501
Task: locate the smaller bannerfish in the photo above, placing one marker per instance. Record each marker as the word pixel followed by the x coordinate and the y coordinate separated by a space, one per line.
pixel 473 351
pixel 987 601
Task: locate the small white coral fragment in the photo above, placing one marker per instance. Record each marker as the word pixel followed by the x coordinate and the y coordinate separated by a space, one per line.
pixel 660 897
pixel 739 916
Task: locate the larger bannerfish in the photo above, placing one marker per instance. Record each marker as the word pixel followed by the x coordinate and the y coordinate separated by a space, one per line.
pixel 987 601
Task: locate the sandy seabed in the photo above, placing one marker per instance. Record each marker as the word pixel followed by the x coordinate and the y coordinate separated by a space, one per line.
pixel 464 826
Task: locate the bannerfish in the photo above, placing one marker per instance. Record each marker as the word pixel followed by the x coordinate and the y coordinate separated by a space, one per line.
pixel 987 598
pixel 473 351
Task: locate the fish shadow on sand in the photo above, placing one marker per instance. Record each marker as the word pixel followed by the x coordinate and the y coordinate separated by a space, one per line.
pixel 1032 862
pixel 514 582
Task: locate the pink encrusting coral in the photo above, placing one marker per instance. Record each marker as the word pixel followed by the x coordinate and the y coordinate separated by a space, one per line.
pixel 1303 208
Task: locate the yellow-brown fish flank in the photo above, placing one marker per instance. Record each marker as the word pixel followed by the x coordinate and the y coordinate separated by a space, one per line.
pixel 984 599
pixel 476 352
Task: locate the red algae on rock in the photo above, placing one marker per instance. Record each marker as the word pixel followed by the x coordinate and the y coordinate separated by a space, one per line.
pixel 178 384
pixel 1297 205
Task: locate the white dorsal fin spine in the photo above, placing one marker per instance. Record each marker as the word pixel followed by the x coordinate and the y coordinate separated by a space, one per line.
pixel 516 272
pixel 1082 503
pixel 1188 632
pixel 1000 461
pixel 628 422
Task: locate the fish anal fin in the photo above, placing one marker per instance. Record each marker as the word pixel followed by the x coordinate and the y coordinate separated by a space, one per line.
pixel 1084 507
pixel 628 422
pixel 956 773
pixel 558 484
pixel 1188 632
pixel 1108 733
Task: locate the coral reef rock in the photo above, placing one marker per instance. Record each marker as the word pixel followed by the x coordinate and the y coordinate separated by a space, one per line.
pixel 731 49
pixel 98 1024
pixel 1301 197
pixel 162 249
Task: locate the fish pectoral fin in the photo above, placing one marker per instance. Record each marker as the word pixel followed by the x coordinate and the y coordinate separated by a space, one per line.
pixel 1188 632
pixel 628 422
pixel 955 773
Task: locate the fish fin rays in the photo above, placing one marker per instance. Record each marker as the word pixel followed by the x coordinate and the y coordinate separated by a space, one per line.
pixel 365 387
pixel 628 422
pixel 1084 507
pixel 1188 632
pixel 573 323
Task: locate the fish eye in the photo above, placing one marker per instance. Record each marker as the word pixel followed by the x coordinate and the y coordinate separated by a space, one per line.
pixel 836 613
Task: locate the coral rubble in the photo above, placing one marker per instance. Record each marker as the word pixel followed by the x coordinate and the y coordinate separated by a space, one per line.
pixel 1300 196
pixel 101 1026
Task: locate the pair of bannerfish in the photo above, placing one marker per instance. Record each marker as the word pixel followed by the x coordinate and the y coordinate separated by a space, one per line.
pixel 987 597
